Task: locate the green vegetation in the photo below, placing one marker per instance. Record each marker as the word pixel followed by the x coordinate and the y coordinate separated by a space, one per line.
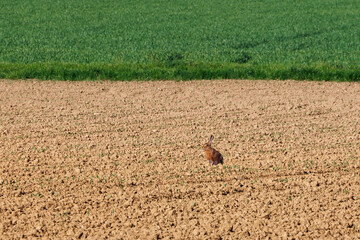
pixel 167 39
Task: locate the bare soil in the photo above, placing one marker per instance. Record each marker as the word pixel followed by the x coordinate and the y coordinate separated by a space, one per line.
pixel 123 160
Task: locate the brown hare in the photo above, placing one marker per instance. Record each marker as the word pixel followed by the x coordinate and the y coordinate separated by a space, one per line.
pixel 211 154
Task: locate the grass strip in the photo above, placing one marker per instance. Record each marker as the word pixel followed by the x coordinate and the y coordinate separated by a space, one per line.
pixel 177 71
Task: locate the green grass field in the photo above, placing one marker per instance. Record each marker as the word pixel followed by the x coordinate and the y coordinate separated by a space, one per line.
pixel 183 39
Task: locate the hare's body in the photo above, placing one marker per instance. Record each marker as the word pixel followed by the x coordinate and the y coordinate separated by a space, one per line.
pixel 214 157
pixel 212 154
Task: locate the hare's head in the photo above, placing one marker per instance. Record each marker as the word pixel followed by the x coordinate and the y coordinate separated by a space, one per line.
pixel 207 145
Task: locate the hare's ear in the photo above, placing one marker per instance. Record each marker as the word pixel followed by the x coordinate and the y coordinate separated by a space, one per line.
pixel 211 139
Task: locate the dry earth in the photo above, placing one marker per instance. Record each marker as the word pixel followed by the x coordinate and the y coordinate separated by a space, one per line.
pixel 122 160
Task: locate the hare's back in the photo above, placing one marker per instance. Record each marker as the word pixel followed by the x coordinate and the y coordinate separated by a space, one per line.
pixel 217 158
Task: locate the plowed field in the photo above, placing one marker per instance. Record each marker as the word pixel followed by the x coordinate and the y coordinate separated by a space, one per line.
pixel 123 160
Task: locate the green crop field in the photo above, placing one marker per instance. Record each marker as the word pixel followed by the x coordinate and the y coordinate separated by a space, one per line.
pixel 180 39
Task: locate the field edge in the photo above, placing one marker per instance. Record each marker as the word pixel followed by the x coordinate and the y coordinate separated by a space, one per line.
pixel 178 70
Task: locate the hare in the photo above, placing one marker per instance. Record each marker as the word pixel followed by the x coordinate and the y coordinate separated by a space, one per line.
pixel 211 154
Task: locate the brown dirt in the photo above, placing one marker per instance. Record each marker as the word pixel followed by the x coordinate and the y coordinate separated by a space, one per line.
pixel 123 160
